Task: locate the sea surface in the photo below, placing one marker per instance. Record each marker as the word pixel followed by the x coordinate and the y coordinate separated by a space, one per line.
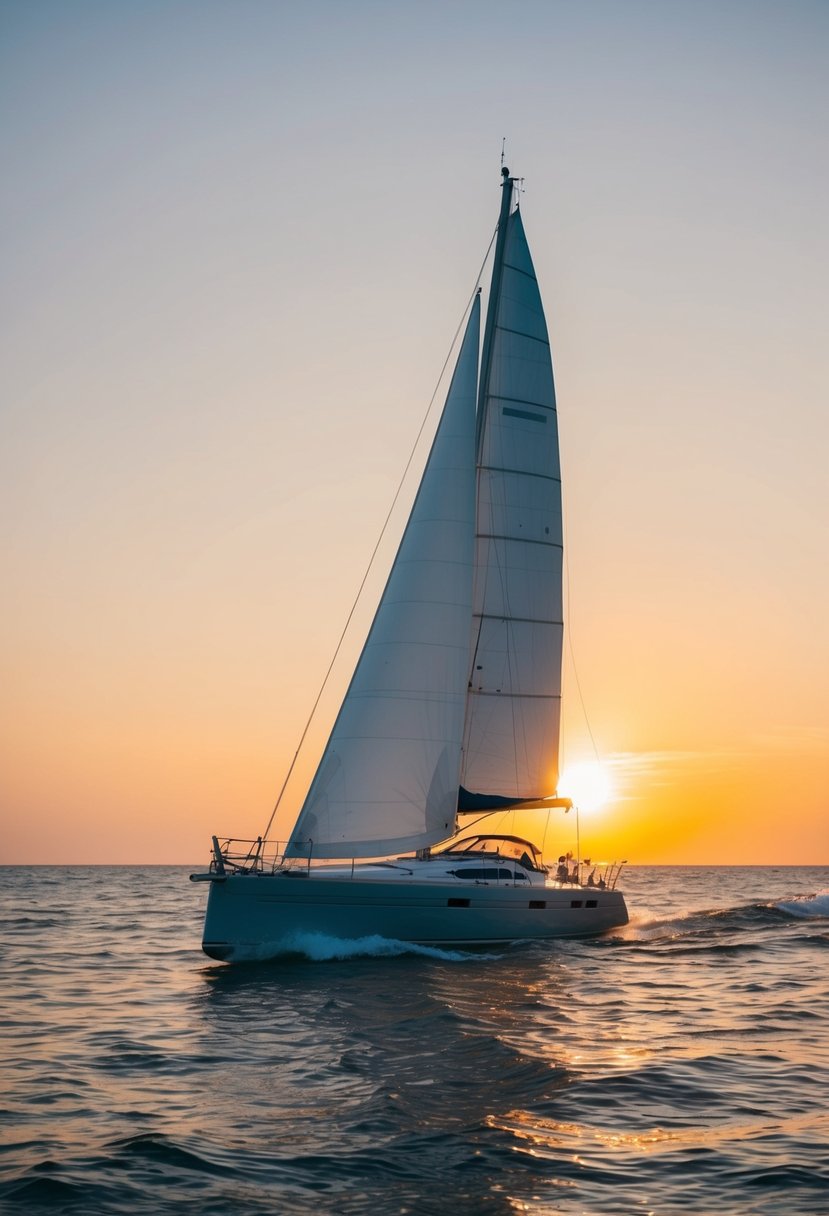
pixel 680 1065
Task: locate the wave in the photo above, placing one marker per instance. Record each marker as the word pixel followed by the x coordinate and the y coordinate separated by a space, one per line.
pixel 321 947
pixel 42 922
pixel 40 1190
pixel 701 921
pixel 738 929
pixel 155 1147
pixel 806 906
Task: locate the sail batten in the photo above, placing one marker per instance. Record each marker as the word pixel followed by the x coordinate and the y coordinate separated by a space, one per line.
pixel 519 270
pixel 520 540
pixel 492 468
pixel 537 405
pixel 523 696
pixel 533 620
pixel 505 329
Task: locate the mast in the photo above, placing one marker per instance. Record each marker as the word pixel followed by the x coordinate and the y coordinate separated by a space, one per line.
pixel 492 303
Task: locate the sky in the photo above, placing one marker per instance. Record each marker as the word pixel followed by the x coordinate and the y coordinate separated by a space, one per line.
pixel 236 241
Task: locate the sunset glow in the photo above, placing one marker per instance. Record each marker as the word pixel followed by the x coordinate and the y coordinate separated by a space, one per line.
pixel 588 784
pixel 231 277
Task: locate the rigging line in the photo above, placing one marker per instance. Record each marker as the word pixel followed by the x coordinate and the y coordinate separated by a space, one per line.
pixel 368 569
pixel 570 633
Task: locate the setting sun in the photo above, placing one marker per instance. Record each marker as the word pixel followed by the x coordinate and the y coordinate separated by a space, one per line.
pixel 587 783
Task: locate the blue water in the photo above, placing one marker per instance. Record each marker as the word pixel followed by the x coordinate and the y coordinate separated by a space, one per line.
pixel 678 1066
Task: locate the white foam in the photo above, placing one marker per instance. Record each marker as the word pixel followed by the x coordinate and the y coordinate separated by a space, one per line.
pixel 816 906
pixel 320 947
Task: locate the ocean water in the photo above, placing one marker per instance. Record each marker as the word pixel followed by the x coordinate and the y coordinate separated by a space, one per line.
pixel 678 1066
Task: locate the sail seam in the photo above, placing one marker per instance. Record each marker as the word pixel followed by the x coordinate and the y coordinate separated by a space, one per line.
pixel 524 540
pixel 520 333
pixel 499 468
pixel 517 696
pixel 527 620
pixel 519 270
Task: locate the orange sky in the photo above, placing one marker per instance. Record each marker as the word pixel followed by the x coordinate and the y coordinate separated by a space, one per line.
pixel 231 280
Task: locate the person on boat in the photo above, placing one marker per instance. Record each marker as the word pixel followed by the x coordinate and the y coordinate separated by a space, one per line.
pixel 574 877
pixel 591 878
pixel 562 873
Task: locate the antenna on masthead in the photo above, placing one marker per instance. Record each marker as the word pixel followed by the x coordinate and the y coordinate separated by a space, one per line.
pixel 503 148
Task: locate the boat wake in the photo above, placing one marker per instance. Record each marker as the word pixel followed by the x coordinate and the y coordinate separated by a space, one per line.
pixel 701 923
pixel 321 947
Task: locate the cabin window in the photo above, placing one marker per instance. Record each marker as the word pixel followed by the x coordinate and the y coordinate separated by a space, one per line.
pixel 575 903
pixel 485 873
pixel 538 903
pixel 591 903
pixel 457 903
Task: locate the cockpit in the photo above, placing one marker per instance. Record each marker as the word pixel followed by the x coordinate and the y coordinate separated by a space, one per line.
pixel 496 848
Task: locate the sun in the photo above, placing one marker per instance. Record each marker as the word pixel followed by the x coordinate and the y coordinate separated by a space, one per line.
pixel 587 783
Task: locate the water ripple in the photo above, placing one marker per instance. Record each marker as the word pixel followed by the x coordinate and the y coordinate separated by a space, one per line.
pixel 679 1065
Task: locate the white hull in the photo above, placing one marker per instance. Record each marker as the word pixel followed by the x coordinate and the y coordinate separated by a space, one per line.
pixel 260 915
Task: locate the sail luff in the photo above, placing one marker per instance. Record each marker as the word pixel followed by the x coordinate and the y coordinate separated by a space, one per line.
pixel 388 777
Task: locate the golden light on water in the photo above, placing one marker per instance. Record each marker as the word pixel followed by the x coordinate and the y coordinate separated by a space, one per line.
pixel 587 783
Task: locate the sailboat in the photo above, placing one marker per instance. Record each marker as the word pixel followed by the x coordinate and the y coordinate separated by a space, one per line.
pixel 451 720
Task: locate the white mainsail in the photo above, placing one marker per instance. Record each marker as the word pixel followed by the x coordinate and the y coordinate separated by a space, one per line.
pixel 388 778
pixel 514 701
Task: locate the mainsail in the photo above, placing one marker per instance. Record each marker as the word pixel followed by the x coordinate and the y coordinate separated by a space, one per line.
pixel 459 682
pixel 514 697
pixel 388 778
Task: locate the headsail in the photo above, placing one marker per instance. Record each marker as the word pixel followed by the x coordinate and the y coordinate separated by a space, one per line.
pixel 514 698
pixel 388 778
